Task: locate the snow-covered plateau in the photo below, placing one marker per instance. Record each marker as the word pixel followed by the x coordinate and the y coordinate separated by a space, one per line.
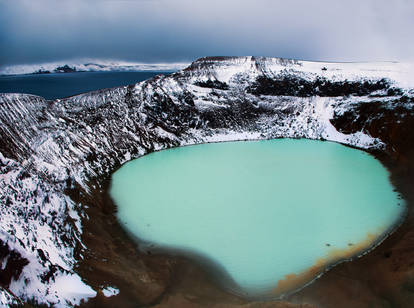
pixel 53 151
pixel 88 65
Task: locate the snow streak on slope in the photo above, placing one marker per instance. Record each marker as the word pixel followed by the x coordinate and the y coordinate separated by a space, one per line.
pixel 50 147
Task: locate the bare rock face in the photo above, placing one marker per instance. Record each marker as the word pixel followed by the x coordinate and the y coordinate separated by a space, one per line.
pixel 58 224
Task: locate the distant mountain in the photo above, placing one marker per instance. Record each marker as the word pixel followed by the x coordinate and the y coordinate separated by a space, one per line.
pixel 88 66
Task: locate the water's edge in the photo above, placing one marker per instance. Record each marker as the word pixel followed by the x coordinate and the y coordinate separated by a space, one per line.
pixel 218 274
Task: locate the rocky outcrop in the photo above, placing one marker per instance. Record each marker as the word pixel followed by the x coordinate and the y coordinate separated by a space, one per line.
pixel 56 158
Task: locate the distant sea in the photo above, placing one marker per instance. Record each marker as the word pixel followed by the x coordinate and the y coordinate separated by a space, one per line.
pixel 60 85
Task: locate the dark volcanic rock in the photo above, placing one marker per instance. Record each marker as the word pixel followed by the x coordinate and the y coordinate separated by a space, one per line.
pixel 65 69
pixel 289 85
pixel 41 71
pixel 12 267
pixel 214 84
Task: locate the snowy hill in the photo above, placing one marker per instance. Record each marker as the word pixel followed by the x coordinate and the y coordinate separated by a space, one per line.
pixel 51 151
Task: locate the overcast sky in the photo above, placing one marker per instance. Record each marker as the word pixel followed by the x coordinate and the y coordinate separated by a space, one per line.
pixel 34 31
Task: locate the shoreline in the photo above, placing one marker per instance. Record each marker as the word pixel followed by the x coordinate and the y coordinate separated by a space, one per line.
pixel 210 266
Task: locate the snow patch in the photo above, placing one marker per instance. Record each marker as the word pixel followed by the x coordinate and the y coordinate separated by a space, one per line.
pixel 110 291
pixel 70 289
pixel 8 300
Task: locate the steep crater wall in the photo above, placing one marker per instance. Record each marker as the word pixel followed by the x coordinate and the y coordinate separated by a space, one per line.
pixel 57 158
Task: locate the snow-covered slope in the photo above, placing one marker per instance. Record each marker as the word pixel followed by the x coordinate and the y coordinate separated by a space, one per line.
pixel 50 147
pixel 89 66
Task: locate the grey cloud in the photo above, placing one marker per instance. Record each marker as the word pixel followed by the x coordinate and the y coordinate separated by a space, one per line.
pixel 175 30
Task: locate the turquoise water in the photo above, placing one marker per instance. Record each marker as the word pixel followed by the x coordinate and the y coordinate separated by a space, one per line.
pixel 59 85
pixel 270 214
